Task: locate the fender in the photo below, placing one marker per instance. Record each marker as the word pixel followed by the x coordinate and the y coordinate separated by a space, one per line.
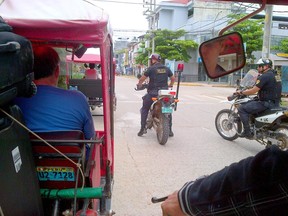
pixel 227 101
pixel 239 101
pixel 271 117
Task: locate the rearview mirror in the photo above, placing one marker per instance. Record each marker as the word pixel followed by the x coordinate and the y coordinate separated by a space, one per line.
pixel 223 55
pixel 80 51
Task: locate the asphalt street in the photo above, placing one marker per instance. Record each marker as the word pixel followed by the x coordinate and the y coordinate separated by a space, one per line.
pixel 144 169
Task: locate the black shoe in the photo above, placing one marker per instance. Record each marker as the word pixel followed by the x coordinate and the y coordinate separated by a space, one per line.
pixel 142 131
pixel 247 134
pixel 171 134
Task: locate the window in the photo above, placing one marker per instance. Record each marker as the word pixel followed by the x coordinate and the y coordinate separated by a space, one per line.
pixel 283 26
pixel 190 12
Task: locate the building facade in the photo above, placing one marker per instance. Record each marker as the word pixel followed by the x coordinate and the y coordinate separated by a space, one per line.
pixel 202 20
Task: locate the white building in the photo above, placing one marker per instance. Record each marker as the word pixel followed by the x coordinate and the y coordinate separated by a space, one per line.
pixel 203 20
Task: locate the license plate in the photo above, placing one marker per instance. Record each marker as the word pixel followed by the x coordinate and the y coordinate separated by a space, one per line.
pixel 55 174
pixel 167 110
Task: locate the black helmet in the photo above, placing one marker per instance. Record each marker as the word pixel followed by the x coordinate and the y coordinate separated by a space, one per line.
pixel 155 56
pixel 263 62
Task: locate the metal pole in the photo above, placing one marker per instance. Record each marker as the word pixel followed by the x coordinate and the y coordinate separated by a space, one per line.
pixel 153 25
pixel 267 31
pixel 213 29
pixel 177 92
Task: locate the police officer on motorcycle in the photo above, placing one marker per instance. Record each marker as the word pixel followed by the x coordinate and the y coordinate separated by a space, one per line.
pixel 158 79
pixel 269 89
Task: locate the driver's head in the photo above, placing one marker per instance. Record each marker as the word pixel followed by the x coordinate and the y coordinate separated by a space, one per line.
pixel 154 58
pixel 264 65
pixel 46 62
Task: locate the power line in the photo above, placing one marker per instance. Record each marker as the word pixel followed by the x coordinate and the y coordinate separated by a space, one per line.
pixel 122 2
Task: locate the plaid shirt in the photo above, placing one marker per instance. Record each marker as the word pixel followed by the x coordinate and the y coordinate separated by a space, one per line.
pixel 254 186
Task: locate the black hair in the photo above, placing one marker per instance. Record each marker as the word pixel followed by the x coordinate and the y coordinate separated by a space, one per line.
pixel 46 60
pixel 91 65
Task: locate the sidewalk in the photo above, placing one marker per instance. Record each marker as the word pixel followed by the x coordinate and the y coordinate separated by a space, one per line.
pixel 200 83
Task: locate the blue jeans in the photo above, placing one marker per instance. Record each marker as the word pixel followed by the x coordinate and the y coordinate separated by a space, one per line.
pixel 251 107
pixel 147 102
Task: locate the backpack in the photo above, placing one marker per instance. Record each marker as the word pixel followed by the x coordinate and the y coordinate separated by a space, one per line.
pixel 16 65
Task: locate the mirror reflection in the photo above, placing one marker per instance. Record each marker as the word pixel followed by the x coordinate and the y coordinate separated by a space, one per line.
pixel 223 55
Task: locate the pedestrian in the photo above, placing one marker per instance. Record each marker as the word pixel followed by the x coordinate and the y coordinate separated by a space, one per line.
pixel 91 73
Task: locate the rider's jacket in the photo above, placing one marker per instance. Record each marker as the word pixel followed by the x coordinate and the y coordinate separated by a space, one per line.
pixel 254 186
pixel 158 77
pixel 270 87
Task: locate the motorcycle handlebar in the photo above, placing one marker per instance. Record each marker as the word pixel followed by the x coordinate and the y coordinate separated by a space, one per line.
pixel 232 97
pixel 157 200
pixel 141 87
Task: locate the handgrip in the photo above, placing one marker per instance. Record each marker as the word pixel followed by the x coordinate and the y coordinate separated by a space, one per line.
pixel 232 97
pixel 157 200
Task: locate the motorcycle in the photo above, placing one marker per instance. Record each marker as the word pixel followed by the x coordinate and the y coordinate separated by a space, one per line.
pixel 160 112
pixel 269 127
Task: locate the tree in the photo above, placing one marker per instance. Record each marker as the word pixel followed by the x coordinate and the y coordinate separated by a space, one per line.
pixel 283 46
pixel 251 31
pixel 168 45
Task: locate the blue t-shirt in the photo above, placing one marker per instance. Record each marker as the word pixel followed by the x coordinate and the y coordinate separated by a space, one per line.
pixel 54 109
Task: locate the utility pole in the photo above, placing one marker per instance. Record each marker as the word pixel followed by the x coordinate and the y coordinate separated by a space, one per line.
pixel 151 16
pixel 267 31
pixel 153 24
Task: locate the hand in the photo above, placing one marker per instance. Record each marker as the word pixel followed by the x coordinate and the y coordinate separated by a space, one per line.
pixel 171 206
pixel 139 85
pixel 239 92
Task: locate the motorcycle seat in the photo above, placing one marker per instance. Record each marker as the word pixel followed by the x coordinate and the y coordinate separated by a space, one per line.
pixel 271 111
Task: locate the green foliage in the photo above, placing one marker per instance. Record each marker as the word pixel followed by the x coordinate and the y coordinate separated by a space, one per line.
pixel 62 82
pixel 283 46
pixel 168 45
pixel 251 31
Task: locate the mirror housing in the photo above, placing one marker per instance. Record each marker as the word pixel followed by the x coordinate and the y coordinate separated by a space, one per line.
pixel 223 55
pixel 80 51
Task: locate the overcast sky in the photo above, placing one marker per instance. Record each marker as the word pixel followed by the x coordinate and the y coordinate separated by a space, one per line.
pixel 124 15
pixel 128 14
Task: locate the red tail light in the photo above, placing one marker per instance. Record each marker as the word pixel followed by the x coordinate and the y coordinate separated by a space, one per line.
pixel 166 99
pixel 172 93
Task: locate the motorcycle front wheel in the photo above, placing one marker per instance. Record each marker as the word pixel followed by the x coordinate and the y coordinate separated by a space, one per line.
pixel 163 129
pixel 228 124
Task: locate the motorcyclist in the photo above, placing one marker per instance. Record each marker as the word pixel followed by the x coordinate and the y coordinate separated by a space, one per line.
pixel 269 89
pixel 158 79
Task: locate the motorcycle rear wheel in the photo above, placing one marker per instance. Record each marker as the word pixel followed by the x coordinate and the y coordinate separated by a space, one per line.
pixel 283 136
pixel 163 129
pixel 226 125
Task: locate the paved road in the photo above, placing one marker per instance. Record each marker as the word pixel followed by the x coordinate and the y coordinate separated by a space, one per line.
pixel 143 168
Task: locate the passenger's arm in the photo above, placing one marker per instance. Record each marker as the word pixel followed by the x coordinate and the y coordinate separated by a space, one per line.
pixel 171 206
pixel 266 168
